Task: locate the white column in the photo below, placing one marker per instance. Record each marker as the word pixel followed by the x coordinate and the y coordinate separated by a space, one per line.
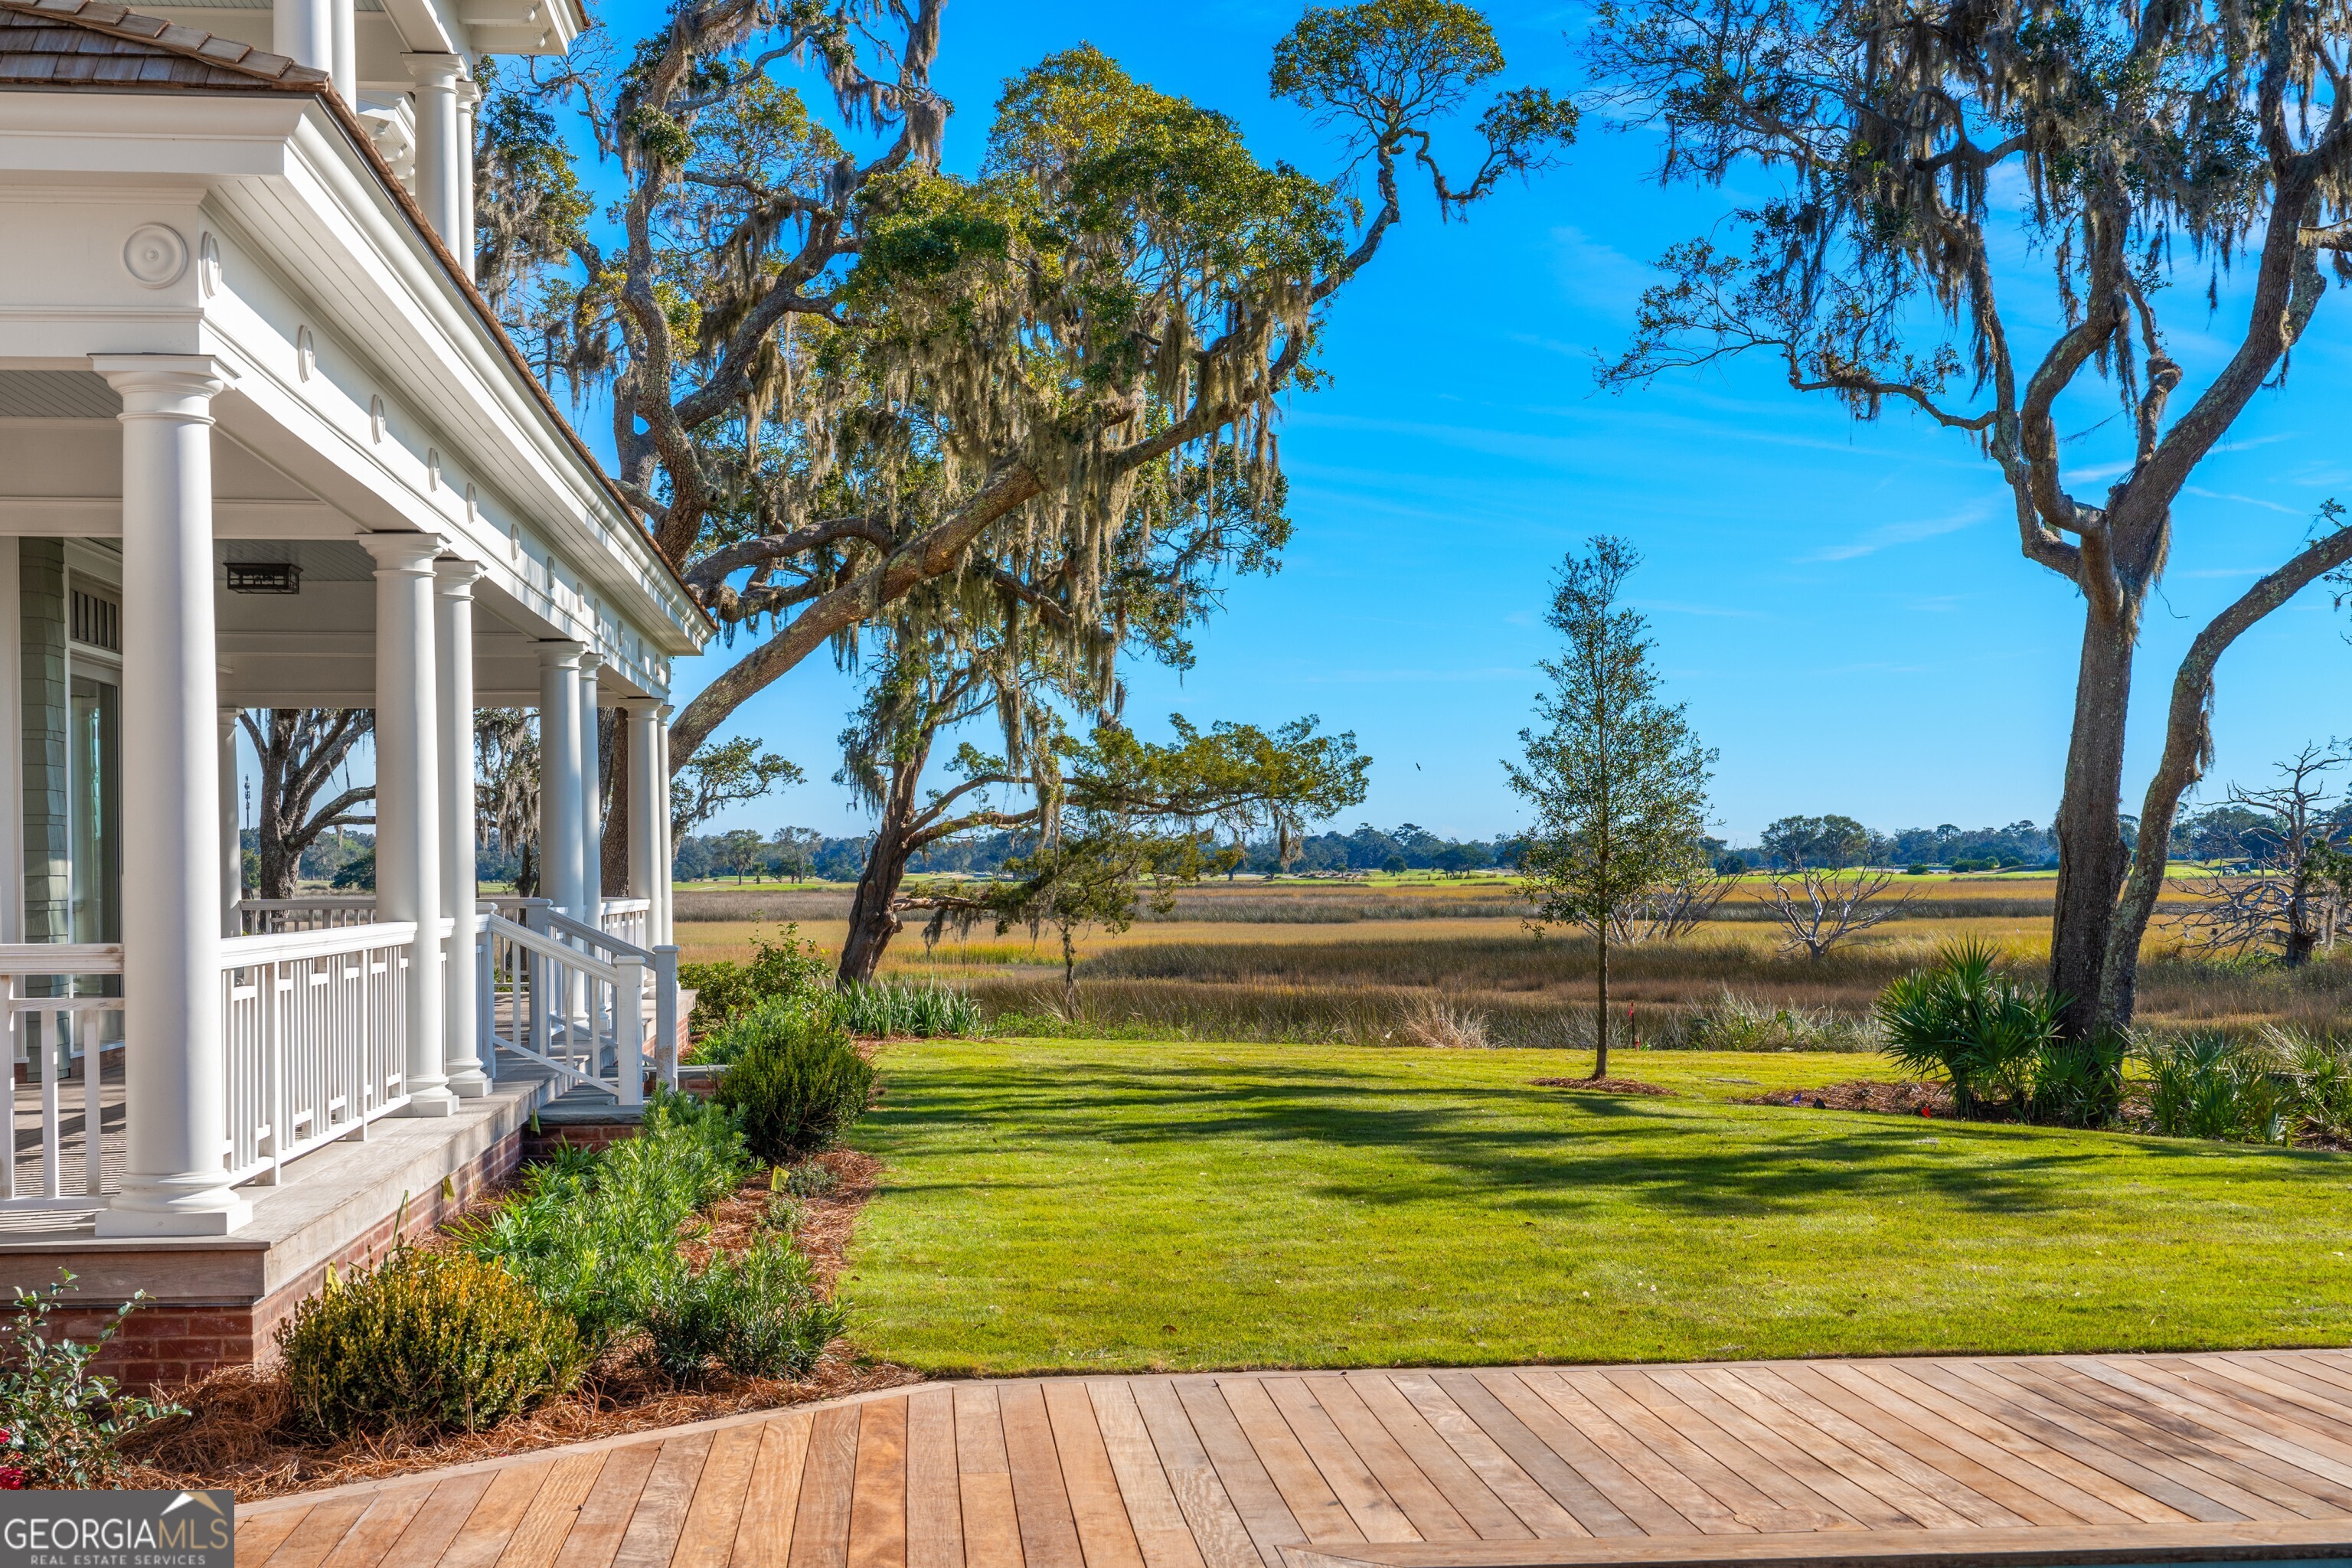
pixel 452 662
pixel 408 793
pixel 438 184
pixel 591 796
pixel 346 69
pixel 558 774
pixel 176 1085
pixel 665 933
pixel 231 841
pixel 644 804
pixel 304 32
pixel 469 93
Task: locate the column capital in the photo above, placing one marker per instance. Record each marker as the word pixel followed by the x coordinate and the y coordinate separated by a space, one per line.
pixel 558 653
pixel 469 93
pixel 453 576
pixel 177 386
pixel 642 707
pixel 405 553
pixel 663 712
pixel 436 71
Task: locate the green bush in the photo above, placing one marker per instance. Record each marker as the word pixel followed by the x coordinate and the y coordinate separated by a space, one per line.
pixel 758 1315
pixel 2078 1083
pixel 2216 1086
pixel 1966 1019
pixel 63 1426
pixel 425 1340
pixel 796 1088
pixel 782 968
pixel 591 1232
pixel 805 1016
pixel 923 1012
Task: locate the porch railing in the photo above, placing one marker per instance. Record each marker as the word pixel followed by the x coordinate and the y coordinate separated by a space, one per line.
pixel 58 1033
pixel 264 917
pixel 571 999
pixel 316 1038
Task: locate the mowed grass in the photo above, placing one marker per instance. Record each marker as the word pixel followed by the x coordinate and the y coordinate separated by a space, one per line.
pixel 1077 1206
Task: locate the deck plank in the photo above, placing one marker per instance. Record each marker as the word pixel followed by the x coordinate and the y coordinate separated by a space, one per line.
pixel 1728 1463
pixel 378 1531
pixel 553 1511
pixel 1534 1508
pixel 821 1527
pixel 764 1539
pixel 1161 1533
pixel 878 1506
pixel 992 1525
pixel 1226 1516
pixel 603 1519
pixel 1305 1493
pixel 1049 1531
pixel 1347 1472
pixel 934 1511
pixel 437 1525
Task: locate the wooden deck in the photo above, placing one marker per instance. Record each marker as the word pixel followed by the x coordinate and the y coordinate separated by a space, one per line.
pixel 1958 1460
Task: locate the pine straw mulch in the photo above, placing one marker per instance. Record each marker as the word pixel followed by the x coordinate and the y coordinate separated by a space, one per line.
pixel 239 1433
pixel 1603 1085
pixel 1931 1100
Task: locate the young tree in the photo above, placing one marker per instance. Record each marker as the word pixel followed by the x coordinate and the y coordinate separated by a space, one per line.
pixel 301 749
pixel 838 373
pixel 2144 144
pixel 1616 777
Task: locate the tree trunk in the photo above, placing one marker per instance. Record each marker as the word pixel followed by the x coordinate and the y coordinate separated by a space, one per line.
pixel 2092 859
pixel 1600 1010
pixel 872 922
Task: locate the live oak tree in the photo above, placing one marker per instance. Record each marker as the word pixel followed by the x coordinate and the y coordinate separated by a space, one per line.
pixel 838 372
pixel 1617 779
pixel 1913 150
pixel 300 751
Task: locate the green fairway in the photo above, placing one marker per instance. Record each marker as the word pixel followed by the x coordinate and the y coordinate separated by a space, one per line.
pixel 1065 1205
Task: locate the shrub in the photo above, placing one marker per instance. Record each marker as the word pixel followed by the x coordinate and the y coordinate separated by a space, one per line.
pixel 778 1018
pixel 758 1315
pixel 797 1089
pixel 2216 1086
pixel 1964 1018
pixel 64 1427
pixel 1436 1022
pixel 2078 1083
pixel 590 1230
pixel 810 1180
pixel 784 967
pixel 426 1340
pixel 924 1012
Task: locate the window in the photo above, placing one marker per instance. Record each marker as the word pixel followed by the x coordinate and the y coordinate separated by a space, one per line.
pixel 97 621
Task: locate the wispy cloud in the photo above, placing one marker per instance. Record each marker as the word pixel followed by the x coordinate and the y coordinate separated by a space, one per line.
pixel 2242 500
pixel 1885 536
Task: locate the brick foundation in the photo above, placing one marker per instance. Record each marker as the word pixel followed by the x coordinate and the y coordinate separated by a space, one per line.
pixel 168 1343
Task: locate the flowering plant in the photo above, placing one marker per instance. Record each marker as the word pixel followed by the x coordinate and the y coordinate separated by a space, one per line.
pixel 64 1425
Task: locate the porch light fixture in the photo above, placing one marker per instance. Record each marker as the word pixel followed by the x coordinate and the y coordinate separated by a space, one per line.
pixel 264 577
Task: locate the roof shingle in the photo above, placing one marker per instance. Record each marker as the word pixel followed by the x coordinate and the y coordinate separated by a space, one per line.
pixel 57 43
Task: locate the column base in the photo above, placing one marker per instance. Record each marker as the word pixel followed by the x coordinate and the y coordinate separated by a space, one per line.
pixel 435 1102
pixel 469 1083
pixel 212 1211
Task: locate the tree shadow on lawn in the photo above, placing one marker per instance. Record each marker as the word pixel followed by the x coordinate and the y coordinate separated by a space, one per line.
pixel 1551 1155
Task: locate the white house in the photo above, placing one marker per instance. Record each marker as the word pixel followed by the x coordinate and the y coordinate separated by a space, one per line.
pixel 263 444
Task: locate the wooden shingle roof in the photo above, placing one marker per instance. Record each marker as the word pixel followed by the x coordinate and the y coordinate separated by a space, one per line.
pixel 68 43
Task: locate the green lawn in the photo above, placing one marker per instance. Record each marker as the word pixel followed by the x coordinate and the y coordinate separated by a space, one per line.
pixel 1056 1205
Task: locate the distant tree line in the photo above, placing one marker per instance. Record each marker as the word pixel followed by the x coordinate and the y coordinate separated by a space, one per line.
pixel 795 854
pixel 2230 831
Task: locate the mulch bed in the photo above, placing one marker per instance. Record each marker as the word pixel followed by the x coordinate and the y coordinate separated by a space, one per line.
pixel 1603 1085
pixel 1928 1099
pixel 239 1432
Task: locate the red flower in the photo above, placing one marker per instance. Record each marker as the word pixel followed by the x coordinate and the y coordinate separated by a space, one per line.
pixel 12 1478
pixel 1925 1114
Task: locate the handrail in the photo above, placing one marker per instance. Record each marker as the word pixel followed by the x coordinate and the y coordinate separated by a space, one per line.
pixel 626 906
pixel 60 958
pixel 285 947
pixel 596 936
pixel 547 946
pixel 319 902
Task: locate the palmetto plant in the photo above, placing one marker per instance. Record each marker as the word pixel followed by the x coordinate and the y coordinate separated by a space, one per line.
pixel 1967 1018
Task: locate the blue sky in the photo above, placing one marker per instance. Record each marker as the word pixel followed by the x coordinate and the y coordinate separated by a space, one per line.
pixel 1843 606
